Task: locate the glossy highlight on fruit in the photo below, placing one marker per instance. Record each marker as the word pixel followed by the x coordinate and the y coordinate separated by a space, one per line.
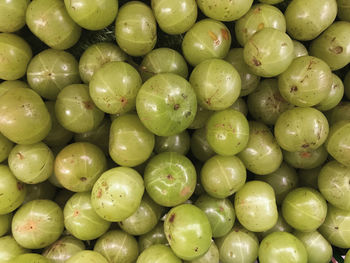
pixel 9 249
pixel 158 254
pixel 12 15
pixel 63 249
pixel 87 256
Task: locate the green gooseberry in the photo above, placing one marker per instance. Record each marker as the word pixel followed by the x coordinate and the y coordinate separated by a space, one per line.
pixel 92 15
pixel 81 220
pixel 301 129
pixel 153 237
pixel 5 224
pixel 50 22
pixel 63 249
pixel 334 96
pixel 269 52
pixel 200 147
pixel 240 245
pixel 179 143
pixel 249 81
pixel 306 20
pixel 227 132
pixel 5 147
pixel 280 226
pixel 157 254
pixel 170 178
pixel 50 71
pixel 166 104
pixel 12 15
pixel 9 84
pixel 15 54
pixel 87 256
pixel 318 248
pixel 136 28
pixel 308 159
pixel 299 49
pixel 258 17
pixel 163 60
pixel 262 155
pixel 336 53
pixel 216 83
pixel 44 190
pixel 271 2
pixel 222 176
pixel 304 209
pixel 62 197
pixel 220 213
pixel 207 39
pixel 266 104
pixel 75 109
pixel 114 87
pixel 280 247
pixel 30 258
pixel 283 180
pixel 175 17
pixel 339 113
pixel 343 10
pixel 309 177
pixel 346 85
pixel 9 249
pixel 127 136
pixel 338 142
pixel 336 227
pixel 255 206
pixel 37 224
pixel 117 194
pixel 306 82
pixel 188 231
pixel 240 105
pixel 212 255
pixel 12 191
pixel 117 247
pixel 333 183
pixel 347 257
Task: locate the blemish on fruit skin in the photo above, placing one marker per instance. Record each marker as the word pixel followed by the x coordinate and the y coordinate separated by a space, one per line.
pixel 76 213
pixel 83 179
pixel 20 156
pixel 225 34
pixel 99 193
pixel 89 105
pixel 215 38
pixel 256 62
pixel 172 218
pixel 185 191
pixel 170 177
pixel 305 154
pixel 293 89
pixel 20 186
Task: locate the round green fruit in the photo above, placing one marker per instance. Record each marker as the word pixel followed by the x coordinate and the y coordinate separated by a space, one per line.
pixel 335 95
pixel 280 226
pixel 12 15
pixel 5 223
pixel 309 177
pixel 308 159
pixel 153 237
pixel 212 255
pixel 87 256
pixel 299 49
pixel 9 249
pixel 200 147
pixel 30 258
pixel 5 147
pixel 158 254
pixel 44 190
pixel 179 143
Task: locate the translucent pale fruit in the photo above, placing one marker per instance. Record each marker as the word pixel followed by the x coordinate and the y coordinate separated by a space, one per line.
pixel 188 231
pixel 117 246
pixel 335 95
pixel 37 224
pixel 207 39
pixel 217 84
pixel 79 165
pixel 12 15
pixel 220 213
pixel 282 247
pixel 63 249
pixel 50 71
pixel 258 17
pixel 12 191
pixel 163 60
pixel 336 227
pixel 114 87
pixel 249 81
pixel 262 155
pixel 336 53
pixel 269 52
pixel 333 183
pixel 31 258
pixel 306 82
pixel 343 10
pixel 5 223
pixel 318 248
pixel 223 176
pixel 212 255
pixel 166 104
pixel 299 49
pixel 5 147
pixel 308 159
pixel 127 136
pixel 280 226
pixel 136 28
pixel 9 249
pixel 92 15
pixel 304 209
pixel 306 20
pixel 157 254
pixel 266 104
pixel 239 245
pixel 227 132
pixel 87 256
pixel 117 193
pixel 170 178
pixel 255 206
pixel 15 54
pixel 179 143
pixel 50 22
pixel 175 17
pixel 200 147
pixel 301 129
pixel 153 237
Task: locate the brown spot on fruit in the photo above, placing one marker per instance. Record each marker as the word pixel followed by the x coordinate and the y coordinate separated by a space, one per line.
pixel 293 89
pixel 169 237
pixel 76 213
pixel 261 26
pixel 196 249
pixel 99 193
pixel 221 209
pixel 172 218
pixel 225 34
pixel 336 50
pixel 176 106
pixel 28 226
pixel 83 179
pixel 170 177
pixel 185 191
pixel 256 62
pixel 305 155
pixel 20 186
pixel 215 38
pixel 89 105
pixel 20 156
pixel 305 145
pixel 124 101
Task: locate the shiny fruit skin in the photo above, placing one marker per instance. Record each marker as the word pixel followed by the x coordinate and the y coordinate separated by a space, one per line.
pixel 9 249
pixel 335 95
pixel 179 143
pixel 87 256
pixel 30 258
pixel 306 159
pixel 63 249
pixel 153 237
pixel 158 254
pixel 212 255
pixel 5 223
pixel 5 147
pixel 200 147
pixel 12 15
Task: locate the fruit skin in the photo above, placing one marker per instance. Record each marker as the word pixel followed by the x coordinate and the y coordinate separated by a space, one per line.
pixel 5 147
pixel 136 28
pixel 255 206
pixel 200 147
pixel 50 22
pixel 280 226
pixel 87 256
pixel 30 258
pixel 15 54
pixel 5 223
pixel 344 14
pixel 179 143
pixel 9 249
pixel 153 237
pixel 158 254
pixel 12 15
pixel 212 255
pixel 347 257
pixel 335 95
pixel 188 231
pixel 306 159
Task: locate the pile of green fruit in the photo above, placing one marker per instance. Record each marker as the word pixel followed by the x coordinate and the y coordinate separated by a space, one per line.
pixel 169 131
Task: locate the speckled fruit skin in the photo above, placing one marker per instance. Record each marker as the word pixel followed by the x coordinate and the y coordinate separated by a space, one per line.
pixel 50 22
pixel 166 104
pixel 21 109
pixel 157 254
pixel 12 15
pixel 175 17
pixel 63 249
pixel 136 28
pixel 306 159
pixel 117 193
pixel 9 249
pixel 212 255
pixel 170 178
pixel 255 206
pixel 300 129
pixel 188 231
pixel 87 256
pixel 207 39
pixel 37 224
